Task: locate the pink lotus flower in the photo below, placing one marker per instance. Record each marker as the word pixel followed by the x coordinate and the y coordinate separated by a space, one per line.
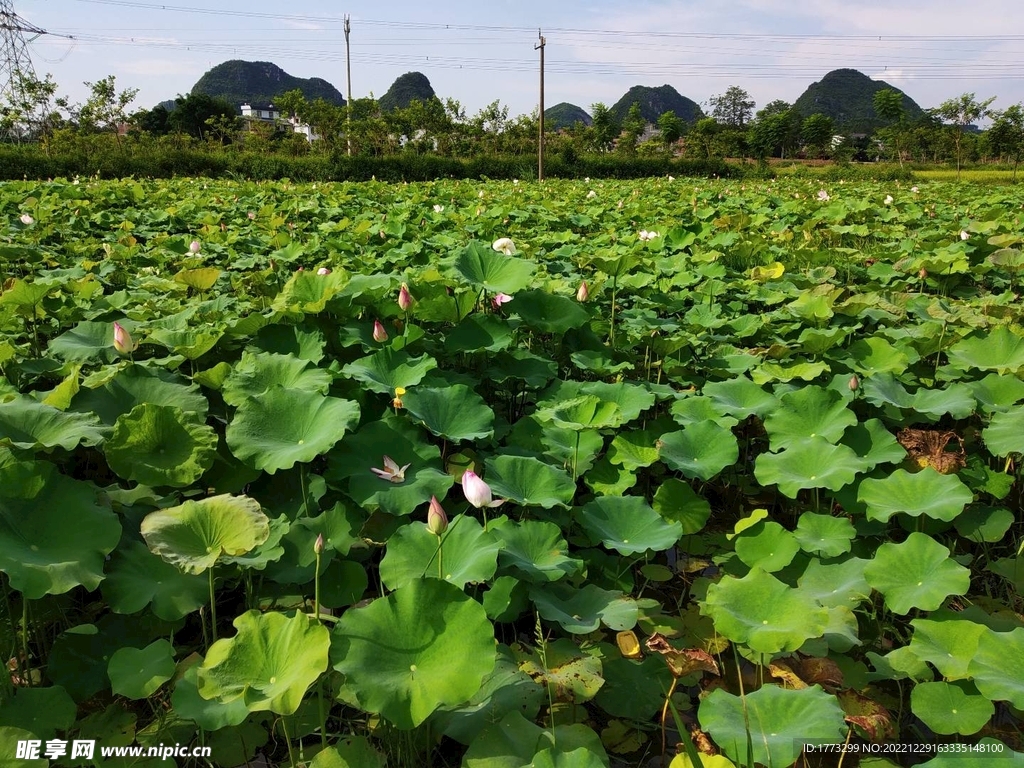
pixel 477 492
pixel 252 215
pixel 323 271
pixel 123 341
pixel 194 246
pixel 823 195
pixel 437 520
pixel 391 471
pixel 500 298
pixel 379 334
pixel 404 298
pixel 26 219
pixel 583 293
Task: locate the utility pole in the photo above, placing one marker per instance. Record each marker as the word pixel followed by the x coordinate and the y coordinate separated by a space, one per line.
pixel 15 63
pixel 540 132
pixel 348 94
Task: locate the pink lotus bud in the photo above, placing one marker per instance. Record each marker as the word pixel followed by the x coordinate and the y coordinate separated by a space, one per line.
pixel 194 246
pixel 854 383
pixel 318 545
pixel 323 271
pixel 252 215
pixel 301 269
pixel 922 273
pixel 404 298
pixel 123 342
pixel 379 334
pixel 583 293
pixel 500 298
pixel 477 492
pixel 437 520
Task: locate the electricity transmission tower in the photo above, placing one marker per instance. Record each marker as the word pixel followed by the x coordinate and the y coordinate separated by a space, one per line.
pixel 15 63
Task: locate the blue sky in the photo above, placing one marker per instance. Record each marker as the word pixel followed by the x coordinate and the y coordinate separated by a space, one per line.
pixel 480 51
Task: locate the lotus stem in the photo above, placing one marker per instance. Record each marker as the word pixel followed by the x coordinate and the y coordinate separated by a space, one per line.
pixel 24 638
pixel 576 456
pixel 664 714
pixel 213 607
pixel 303 481
pixel 288 741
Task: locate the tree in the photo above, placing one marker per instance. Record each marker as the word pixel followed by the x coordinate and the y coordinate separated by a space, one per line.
pixel 734 107
pixel 958 114
pixel 772 134
pixel 604 125
pixel 817 131
pixel 702 138
pixel 197 113
pixel 888 104
pixel 671 128
pixel 28 111
pixel 105 109
pixel 1006 136
pixel 632 126
pixel 774 107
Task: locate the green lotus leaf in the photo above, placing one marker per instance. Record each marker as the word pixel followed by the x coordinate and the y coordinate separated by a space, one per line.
pixel 917 573
pixel 700 450
pixel 836 584
pixel 386 370
pixel 741 397
pixel 767 372
pixel 633 689
pixel 157 445
pixel 814 463
pixel 628 525
pixel 208 714
pixel 697 409
pixel 807 413
pixel 824 534
pixel 468 554
pixel 955 399
pixel 257 373
pixel 137 673
pixel 767 546
pixel 137 578
pixel 998 666
pixel 605 479
pixel 351 462
pixel 678 502
pixel 283 427
pixel 26 423
pixel 482 267
pixel 302 341
pixel 135 385
pixel 308 292
pixel 189 342
pixel 884 389
pixel 456 413
pixel 529 482
pixel 949 708
pixel 566 447
pixel 515 742
pixel 780 720
pixel 535 550
pixel 478 332
pixel 559 757
pixel 397 652
pixel 195 535
pixel 949 645
pixel 873 355
pixel 350 752
pixel 632 399
pixel 583 412
pixel 88 342
pixel 999 350
pixel 600 362
pixel 548 313
pixel 200 279
pixel 269 664
pixel 581 611
pixel 564 667
pixel 982 524
pixel 996 393
pixel 54 534
pixel 874 444
pixel 522 365
pixel 929 493
pixel 1005 433
pixel 41 711
pixel 762 612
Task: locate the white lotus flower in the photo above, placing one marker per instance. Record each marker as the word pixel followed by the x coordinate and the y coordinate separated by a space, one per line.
pixel 323 271
pixel 504 245
pixel 438 209
pixel 823 195
pixel 391 471
pixel 26 219
pixel 915 190
pixel 646 236
pixel 888 199
pixel 480 193
pixel 964 235
pixel 591 195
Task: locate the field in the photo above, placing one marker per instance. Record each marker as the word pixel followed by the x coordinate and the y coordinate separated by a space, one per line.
pixel 507 474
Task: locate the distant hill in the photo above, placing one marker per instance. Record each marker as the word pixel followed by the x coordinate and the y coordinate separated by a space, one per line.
pixel 410 87
pixel 846 96
pixel 564 115
pixel 260 82
pixel 654 102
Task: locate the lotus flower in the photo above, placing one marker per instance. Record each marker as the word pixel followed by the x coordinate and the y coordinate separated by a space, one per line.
pixel 504 245
pixel 379 334
pixel 888 200
pixel 823 195
pixel 391 471
pixel 323 271
pixel 915 190
pixel 671 178
pixel 404 299
pixel 123 342
pixel 252 215
pixel 591 195
pixel 437 520
pixel 26 219
pixel 438 209
pixel 645 236
pixel 583 293
pixel 500 298
pixel 964 235
pixel 477 492
pixel 194 246
pixel 480 194
pixel 922 273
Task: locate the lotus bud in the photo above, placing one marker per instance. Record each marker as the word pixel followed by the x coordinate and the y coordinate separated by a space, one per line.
pixel 252 216
pixel 379 334
pixel 477 492
pixel 301 269
pixel 583 293
pixel 854 383
pixel 437 520
pixel 318 545
pixel 504 245
pixel 963 233
pixel 26 219
pixel 123 342
pixel 404 299
pixel 922 273
pixel 323 271
pixel 500 298
pixel 194 246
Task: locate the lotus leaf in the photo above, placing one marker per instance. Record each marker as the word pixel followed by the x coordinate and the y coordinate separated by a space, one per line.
pixel 195 535
pixel 515 742
pixel 584 412
pixel 628 525
pixel 696 409
pixel 41 711
pixel 26 423
pixel 89 341
pixel 999 350
pixel 138 673
pixel 807 413
pixel 1005 433
pixel 137 578
pixel 823 534
pixel 767 546
pixel 547 312
pixel 456 413
pixel 387 370
pixel 874 444
pixel 916 574
pixel 632 399
pixel 813 463
pixel 949 645
pixel 398 657
pixel 534 549
pixel 700 450
pixel 927 492
pixel 269 664
pixel 468 554
pixel 208 714
pixel 998 666
pixel 484 268
pixel 135 385
pixel 741 397
pixel 156 445
pixel 479 332
pixel 256 373
pixel 581 611
pixel 529 482
pixel 678 502
pixel 949 708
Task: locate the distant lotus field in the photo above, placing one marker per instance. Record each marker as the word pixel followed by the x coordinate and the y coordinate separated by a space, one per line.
pixel 504 474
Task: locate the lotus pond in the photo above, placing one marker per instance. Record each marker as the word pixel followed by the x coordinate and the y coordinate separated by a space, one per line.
pixel 759 479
